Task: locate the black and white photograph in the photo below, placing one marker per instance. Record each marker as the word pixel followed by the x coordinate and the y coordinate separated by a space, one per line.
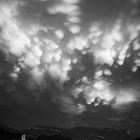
pixel 69 69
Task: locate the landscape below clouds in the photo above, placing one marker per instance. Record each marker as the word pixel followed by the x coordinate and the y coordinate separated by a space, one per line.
pixel 70 63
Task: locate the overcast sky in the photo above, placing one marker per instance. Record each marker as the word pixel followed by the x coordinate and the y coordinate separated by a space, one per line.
pixel 69 63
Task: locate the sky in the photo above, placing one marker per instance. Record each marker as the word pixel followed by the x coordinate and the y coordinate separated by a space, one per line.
pixel 68 63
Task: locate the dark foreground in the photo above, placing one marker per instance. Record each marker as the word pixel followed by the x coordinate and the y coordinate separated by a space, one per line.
pixel 77 133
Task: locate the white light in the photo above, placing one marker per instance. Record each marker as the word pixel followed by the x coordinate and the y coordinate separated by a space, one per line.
pixel 59 34
pixel 74 29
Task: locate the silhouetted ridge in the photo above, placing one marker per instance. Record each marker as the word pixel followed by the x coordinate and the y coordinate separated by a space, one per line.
pixel 77 133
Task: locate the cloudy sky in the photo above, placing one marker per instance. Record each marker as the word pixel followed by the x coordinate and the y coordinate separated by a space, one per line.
pixel 69 63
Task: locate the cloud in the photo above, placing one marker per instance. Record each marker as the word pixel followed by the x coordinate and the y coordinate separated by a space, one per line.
pixel 74 19
pixel 105 56
pixel 71 1
pixel 72 11
pixel 125 98
pixel 64 7
pixel 55 52
pixel 12 36
pixel 59 34
pixel 79 43
pixel 74 29
pixel 98 92
pixel 68 106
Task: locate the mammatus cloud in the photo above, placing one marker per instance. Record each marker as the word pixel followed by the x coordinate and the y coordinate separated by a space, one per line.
pixel 11 34
pixel 41 56
pixel 71 10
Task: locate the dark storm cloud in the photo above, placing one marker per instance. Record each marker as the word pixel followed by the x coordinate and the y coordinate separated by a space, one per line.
pixel 65 58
